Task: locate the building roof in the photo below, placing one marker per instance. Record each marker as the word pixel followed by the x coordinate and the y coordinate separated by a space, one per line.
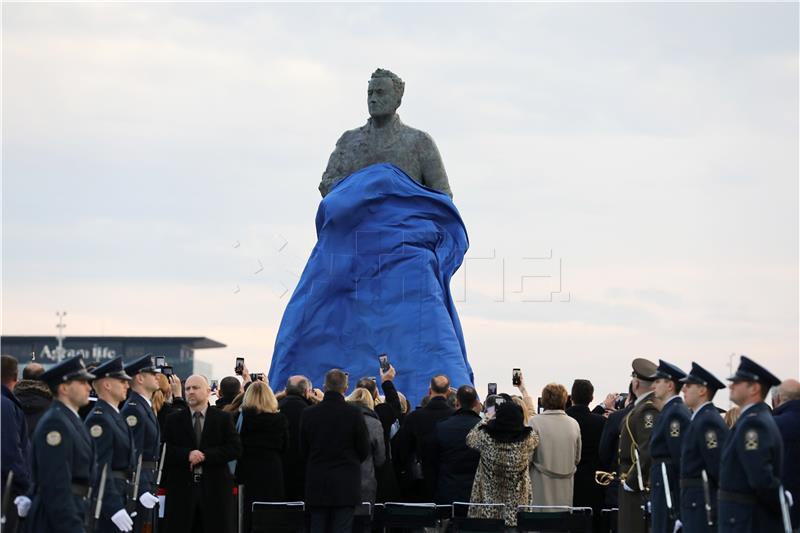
pixel 195 343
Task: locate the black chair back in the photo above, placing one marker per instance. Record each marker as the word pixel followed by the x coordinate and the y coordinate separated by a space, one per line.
pixel 409 515
pixel 278 517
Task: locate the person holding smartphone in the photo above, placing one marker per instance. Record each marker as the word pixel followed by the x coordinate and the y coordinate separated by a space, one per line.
pixel 529 409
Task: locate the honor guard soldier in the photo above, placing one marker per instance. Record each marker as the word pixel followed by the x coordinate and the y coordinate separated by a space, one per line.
pixel 665 446
pixel 113 445
pixel 750 492
pixel 140 417
pixel 63 454
pixel 702 445
pixel 634 453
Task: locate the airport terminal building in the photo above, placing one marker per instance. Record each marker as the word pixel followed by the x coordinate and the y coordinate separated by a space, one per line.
pixel 178 351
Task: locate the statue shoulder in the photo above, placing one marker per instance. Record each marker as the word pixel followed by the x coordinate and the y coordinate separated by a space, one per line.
pixel 350 136
pixel 418 135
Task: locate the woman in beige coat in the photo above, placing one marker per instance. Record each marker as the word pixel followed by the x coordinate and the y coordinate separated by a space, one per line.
pixel 559 451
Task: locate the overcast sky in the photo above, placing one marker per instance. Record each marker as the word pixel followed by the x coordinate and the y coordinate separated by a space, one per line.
pixel 156 157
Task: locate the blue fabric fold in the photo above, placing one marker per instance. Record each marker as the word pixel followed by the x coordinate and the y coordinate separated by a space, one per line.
pixel 378 281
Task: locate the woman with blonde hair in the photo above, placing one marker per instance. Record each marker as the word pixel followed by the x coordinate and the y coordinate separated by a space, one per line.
pixel 167 399
pixel 265 435
pixel 377 455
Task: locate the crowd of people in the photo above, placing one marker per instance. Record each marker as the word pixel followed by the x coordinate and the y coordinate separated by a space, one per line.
pixel 129 448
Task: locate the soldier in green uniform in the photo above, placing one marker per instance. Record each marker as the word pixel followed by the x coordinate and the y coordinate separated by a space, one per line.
pixel 634 450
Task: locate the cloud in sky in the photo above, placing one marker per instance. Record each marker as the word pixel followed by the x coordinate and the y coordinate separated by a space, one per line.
pixel 652 147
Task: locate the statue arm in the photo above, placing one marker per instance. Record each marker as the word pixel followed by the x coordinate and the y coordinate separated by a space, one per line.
pixel 334 171
pixel 433 173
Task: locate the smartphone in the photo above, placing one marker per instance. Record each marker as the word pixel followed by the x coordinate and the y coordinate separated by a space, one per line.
pixel 257 376
pixel 160 361
pixel 166 370
pixel 490 411
pixel 516 377
pixel 239 366
pixel 384 359
pixel 539 408
pixel 492 389
pixel 214 385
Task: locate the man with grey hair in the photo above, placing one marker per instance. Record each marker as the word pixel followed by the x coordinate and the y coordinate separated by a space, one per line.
pixel 297 399
pixel 334 441
pixel 385 139
pixel 787 417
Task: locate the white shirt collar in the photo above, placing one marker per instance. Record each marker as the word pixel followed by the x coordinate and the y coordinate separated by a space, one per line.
pixel 73 410
pixel 641 398
pixel 694 413
pixel 671 398
pixel 746 407
pixel 145 398
pixel 203 410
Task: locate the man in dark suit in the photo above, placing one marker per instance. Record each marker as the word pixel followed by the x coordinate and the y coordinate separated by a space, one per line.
pixel 334 440
pixel 200 442
pixel 414 443
pixel 586 492
pixel 456 461
pixel 297 400
pixel 787 416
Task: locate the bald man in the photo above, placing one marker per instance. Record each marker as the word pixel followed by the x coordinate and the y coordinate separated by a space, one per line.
pixel 787 416
pixel 200 442
pixel 415 442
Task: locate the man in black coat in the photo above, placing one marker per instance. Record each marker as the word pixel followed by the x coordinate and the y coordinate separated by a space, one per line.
pixel 200 442
pixel 34 395
pixel 334 440
pixel 297 400
pixel 413 446
pixel 586 492
pixel 456 461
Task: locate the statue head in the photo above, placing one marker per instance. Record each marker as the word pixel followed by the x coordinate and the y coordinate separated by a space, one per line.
pixel 384 93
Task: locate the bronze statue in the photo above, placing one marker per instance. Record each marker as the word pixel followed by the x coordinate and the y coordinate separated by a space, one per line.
pixel 385 139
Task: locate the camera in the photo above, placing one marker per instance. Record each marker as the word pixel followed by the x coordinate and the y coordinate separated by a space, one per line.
pixel 619 403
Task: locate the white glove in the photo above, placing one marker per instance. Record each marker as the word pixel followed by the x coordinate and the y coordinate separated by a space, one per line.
pixel 148 500
pixel 23 504
pixel 678 526
pixel 789 498
pixel 122 520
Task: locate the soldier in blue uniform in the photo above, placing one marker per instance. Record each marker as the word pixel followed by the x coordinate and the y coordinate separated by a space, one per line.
pixel 752 458
pixel 665 446
pixel 140 417
pixel 63 454
pixel 113 445
pixel 702 445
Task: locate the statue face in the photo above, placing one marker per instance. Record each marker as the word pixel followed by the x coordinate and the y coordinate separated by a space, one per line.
pixel 382 98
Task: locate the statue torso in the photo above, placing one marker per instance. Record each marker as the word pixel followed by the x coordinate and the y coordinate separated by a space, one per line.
pixel 410 149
